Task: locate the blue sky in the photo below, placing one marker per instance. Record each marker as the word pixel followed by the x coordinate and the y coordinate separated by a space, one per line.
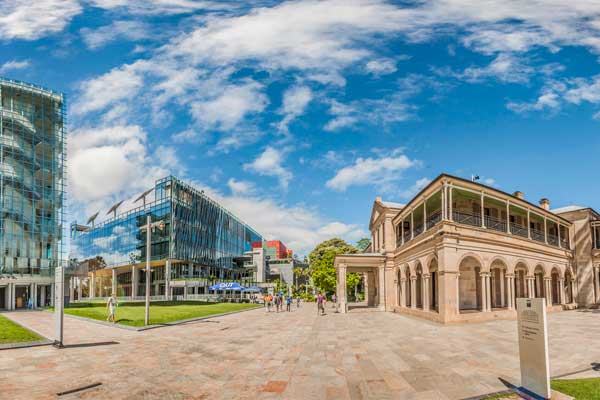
pixel 297 114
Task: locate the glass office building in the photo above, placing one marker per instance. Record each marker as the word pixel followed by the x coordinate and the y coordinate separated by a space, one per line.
pixel 32 187
pixel 197 247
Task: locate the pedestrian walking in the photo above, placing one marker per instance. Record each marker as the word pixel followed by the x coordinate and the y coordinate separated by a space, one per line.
pixel 298 302
pixel 288 303
pixel 320 304
pixel 334 300
pixel 111 305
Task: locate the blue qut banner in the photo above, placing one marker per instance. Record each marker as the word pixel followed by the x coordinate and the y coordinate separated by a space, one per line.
pixel 226 286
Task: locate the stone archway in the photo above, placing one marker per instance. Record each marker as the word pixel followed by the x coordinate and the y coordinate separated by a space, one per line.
pixel 520 288
pixel 433 285
pixel 419 285
pixel 409 283
pixel 498 269
pixel 538 282
pixel 469 288
pixel 555 285
pixel 568 287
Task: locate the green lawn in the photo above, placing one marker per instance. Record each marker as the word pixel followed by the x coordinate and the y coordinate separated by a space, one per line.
pixel 132 314
pixel 588 389
pixel 14 333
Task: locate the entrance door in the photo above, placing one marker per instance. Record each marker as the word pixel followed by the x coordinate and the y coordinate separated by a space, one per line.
pixel 21 296
pixel 2 298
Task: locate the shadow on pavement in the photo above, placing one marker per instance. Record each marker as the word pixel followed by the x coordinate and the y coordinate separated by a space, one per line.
pixel 71 346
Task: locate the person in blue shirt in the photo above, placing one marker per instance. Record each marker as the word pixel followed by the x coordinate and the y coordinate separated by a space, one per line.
pixel 288 303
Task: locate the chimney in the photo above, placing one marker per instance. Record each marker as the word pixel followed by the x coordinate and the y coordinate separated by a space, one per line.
pixel 519 195
pixel 378 198
pixel 545 204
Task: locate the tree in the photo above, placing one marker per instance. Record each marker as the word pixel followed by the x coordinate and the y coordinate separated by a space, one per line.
pixel 321 262
pixel 363 243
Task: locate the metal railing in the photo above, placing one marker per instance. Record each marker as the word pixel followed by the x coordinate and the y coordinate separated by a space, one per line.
pixel 537 235
pixel 564 243
pixel 553 240
pixel 406 236
pixel 494 223
pixel 519 230
pixel 418 230
pixel 466 218
pixel 434 218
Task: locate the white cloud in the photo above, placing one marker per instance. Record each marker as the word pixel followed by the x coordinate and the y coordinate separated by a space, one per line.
pixel 229 108
pixel 110 162
pixel 414 189
pixel 299 227
pixel 295 101
pixel 14 65
pixel 31 20
pixel 118 30
pixel 372 171
pixel 240 187
pixel 186 136
pixel 504 67
pixel 269 163
pixel 153 7
pixel 382 66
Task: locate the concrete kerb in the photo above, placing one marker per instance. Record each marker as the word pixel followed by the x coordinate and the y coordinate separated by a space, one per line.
pixel 145 328
pixel 22 345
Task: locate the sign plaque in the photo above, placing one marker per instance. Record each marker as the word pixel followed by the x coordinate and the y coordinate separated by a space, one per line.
pixel 533 346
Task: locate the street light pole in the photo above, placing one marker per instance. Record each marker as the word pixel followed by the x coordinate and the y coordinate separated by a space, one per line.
pixel 149 228
pixel 148 274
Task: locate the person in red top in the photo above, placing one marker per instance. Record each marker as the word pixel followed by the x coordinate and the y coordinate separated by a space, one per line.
pixel 320 304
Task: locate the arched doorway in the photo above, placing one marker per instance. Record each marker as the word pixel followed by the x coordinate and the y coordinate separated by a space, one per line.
pixel 419 285
pixel 497 275
pixel 433 285
pixel 555 286
pixel 469 288
pixel 520 288
pixel 568 287
pixel 538 282
pixel 408 287
pixel 400 292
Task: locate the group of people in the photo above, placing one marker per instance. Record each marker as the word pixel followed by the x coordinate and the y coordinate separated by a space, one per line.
pixel 277 300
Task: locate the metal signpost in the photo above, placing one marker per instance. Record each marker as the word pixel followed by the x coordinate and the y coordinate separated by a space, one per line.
pixel 150 226
pixel 533 347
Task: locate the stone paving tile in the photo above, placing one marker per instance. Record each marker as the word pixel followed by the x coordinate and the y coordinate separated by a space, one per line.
pixel 297 355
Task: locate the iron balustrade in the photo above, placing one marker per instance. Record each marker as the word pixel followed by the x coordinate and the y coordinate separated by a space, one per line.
pixel 434 218
pixel 418 230
pixel 564 243
pixel 407 236
pixel 466 218
pixel 553 240
pixel 519 230
pixel 494 223
pixel 537 235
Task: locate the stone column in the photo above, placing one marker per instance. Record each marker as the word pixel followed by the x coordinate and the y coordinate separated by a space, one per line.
pixel 366 287
pixel 79 288
pixel 43 296
pixel 135 281
pixel 561 283
pixel 483 294
pixel 341 292
pixel 596 283
pixel 413 292
pixel 32 295
pixel 114 281
pixel 489 292
pixel 509 291
pixel 548 291
pixel 403 292
pixel 529 284
pixel 425 292
pixel 381 287
pixel 502 297
pixel 457 293
pixel 10 294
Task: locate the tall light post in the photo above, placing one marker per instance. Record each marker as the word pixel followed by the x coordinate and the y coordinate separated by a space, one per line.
pixel 149 228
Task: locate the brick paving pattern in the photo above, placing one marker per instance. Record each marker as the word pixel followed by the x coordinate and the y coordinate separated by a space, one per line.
pixel 297 355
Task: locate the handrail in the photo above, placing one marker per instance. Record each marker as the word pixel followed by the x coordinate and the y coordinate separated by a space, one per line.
pixel 518 229
pixel 537 235
pixel 494 223
pixel 466 218
pixel 434 218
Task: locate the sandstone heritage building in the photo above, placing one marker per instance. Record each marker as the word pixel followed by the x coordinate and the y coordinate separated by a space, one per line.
pixel 461 251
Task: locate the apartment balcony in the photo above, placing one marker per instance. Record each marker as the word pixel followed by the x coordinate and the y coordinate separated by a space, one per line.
pixel 466 218
pixel 519 230
pixel 537 235
pixel 494 223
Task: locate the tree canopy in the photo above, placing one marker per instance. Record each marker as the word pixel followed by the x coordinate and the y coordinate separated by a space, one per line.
pixel 363 243
pixel 321 262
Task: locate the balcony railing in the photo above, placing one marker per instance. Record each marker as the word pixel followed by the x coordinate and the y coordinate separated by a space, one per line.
pixel 518 230
pixel 564 243
pixel 537 235
pixel 495 223
pixel 406 236
pixel 418 230
pixel 553 240
pixel 466 218
pixel 434 218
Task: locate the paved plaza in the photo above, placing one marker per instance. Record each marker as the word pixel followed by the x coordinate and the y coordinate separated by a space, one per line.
pixel 297 355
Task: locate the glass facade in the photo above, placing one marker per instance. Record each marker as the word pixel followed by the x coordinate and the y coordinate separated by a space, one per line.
pixel 32 178
pixel 201 238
